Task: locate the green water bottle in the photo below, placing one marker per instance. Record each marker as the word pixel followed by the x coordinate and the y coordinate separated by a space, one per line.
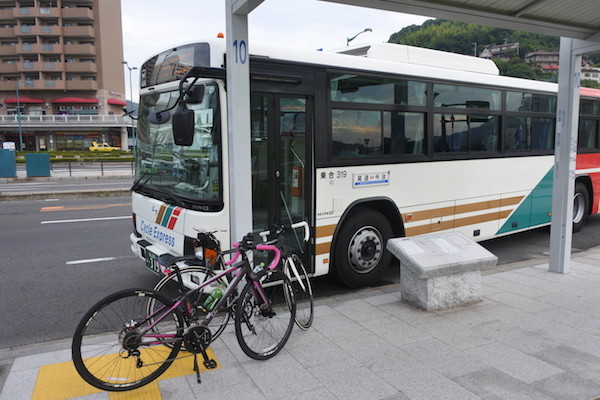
pixel 212 299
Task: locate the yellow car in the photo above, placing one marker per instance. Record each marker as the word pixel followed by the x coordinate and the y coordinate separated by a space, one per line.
pixel 102 147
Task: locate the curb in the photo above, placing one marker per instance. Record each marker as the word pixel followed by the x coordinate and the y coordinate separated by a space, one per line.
pixel 65 195
pixel 62 178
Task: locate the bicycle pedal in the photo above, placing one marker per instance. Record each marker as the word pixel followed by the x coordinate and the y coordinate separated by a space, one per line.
pixel 210 364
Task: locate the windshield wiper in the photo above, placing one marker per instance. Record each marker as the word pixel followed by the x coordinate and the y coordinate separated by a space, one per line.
pixel 138 183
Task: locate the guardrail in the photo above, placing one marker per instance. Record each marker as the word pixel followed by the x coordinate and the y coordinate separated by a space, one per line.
pixel 91 168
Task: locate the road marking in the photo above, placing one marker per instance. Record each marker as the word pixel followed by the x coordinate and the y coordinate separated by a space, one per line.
pixel 93 260
pixel 96 207
pixel 65 221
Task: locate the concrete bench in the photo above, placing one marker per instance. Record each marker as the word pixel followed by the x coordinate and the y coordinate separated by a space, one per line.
pixel 440 271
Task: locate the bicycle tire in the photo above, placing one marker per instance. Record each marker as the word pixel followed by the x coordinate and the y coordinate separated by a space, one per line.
pixel 105 344
pixel 295 271
pixel 262 329
pixel 192 277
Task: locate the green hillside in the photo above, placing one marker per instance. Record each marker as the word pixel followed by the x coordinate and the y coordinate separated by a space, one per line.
pixel 462 38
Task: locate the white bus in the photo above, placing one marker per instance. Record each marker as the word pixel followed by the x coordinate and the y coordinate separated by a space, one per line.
pixel 388 141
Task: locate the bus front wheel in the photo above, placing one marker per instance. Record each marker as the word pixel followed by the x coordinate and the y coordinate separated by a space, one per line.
pixel 360 255
pixel 581 202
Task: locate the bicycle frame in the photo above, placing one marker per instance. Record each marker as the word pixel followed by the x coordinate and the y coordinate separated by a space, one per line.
pixel 239 269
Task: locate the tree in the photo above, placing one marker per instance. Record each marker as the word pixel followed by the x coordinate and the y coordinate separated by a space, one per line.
pixel 459 37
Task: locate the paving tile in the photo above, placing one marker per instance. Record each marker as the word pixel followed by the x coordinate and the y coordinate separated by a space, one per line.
pixel 336 326
pixel 230 391
pixel 385 298
pixel 457 335
pixel 408 313
pixel 569 359
pixel 512 316
pixel 491 384
pixel 518 301
pixel 376 353
pixel 572 337
pixel 311 348
pixel 280 375
pixel 359 310
pixel 424 383
pixel 395 331
pixel 444 358
pixel 520 339
pixel 515 363
pixel 568 387
pixel 349 380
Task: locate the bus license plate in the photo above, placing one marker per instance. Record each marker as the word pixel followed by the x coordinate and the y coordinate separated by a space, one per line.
pixel 151 261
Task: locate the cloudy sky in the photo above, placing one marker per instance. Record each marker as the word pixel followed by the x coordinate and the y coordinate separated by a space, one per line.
pixel 149 26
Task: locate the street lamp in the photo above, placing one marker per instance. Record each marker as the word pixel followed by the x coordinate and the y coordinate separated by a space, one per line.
pixel 131 99
pixel 348 40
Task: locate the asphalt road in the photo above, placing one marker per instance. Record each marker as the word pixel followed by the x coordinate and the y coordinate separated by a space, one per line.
pixel 60 257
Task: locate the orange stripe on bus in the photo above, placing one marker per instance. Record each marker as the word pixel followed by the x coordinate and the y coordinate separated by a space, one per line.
pixel 322 248
pixel 326 230
pixel 459 209
pixel 457 223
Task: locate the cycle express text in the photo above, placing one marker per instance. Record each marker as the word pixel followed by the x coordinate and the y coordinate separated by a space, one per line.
pixel 155 232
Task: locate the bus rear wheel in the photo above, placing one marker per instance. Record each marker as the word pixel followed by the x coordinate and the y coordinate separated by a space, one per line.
pixel 360 255
pixel 581 205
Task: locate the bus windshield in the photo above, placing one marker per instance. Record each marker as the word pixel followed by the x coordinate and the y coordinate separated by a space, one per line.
pixel 190 175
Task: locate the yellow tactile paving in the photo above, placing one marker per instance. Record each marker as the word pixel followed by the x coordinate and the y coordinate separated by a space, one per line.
pixel 62 382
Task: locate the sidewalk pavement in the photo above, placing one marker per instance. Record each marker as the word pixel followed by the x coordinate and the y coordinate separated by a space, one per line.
pixel 534 335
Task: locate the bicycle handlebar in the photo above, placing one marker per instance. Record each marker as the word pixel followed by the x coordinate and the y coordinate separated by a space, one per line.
pixel 246 245
pixel 302 224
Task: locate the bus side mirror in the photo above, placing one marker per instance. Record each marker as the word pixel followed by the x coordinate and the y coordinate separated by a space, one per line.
pixel 183 126
pixel 194 95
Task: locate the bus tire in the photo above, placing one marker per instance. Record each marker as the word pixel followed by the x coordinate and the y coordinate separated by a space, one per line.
pixel 581 205
pixel 360 254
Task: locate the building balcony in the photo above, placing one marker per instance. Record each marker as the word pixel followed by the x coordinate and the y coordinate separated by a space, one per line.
pixel 81 67
pixel 57 121
pixel 42 84
pixel 8 50
pixel 35 12
pixel 79 32
pixel 7 33
pixel 6 14
pixel 37 48
pixel 79 13
pixel 82 85
pixel 80 49
pixel 9 68
pixel 41 66
pixel 37 30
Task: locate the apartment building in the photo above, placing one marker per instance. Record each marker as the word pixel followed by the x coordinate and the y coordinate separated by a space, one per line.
pixel 62 81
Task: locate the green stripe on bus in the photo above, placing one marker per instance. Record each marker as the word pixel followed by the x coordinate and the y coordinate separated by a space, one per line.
pixel 535 210
pixel 167 215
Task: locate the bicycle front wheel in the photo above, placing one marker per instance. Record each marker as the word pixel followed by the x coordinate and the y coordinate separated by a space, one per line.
pixel 264 316
pixel 117 346
pixel 192 278
pixel 294 269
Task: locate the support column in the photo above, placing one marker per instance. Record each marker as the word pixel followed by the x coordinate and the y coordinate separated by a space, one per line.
pixel 238 116
pixel 124 139
pixel 567 122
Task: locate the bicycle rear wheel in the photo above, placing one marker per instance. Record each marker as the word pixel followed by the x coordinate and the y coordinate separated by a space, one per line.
pixel 108 350
pixel 262 328
pixel 294 269
pixel 192 278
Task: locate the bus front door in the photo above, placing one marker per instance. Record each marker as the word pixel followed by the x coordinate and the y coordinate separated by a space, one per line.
pixel 280 126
